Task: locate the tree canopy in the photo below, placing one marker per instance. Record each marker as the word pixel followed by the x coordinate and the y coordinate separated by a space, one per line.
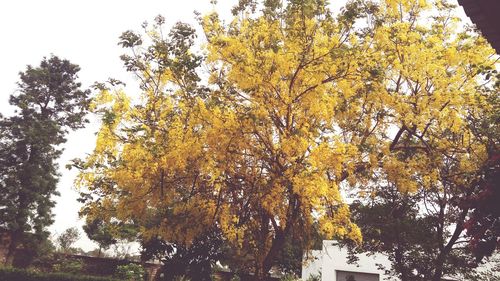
pixel 66 239
pixel 48 103
pixel 285 105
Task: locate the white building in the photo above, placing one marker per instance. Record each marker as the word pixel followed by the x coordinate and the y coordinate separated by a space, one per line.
pixel 331 264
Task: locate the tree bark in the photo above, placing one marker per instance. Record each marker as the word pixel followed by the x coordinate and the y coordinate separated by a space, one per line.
pixel 445 249
pixel 280 234
pixel 11 251
pixel 400 263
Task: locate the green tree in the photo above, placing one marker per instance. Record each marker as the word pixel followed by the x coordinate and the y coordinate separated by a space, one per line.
pixel 446 229
pixel 130 272
pixel 488 272
pixel 68 238
pixel 195 261
pixel 421 205
pixel 49 102
pixel 100 232
pixel 394 224
pixel 483 223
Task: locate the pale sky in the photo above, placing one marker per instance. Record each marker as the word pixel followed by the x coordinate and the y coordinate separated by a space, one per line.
pixel 86 33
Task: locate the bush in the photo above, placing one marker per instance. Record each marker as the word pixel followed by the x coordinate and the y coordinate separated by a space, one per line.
pixel 68 266
pixel 315 277
pixel 14 274
pixel 289 277
pixel 130 272
pixel 235 278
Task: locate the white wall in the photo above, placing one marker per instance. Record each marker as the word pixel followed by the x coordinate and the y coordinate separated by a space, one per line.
pixel 332 258
pixel 312 264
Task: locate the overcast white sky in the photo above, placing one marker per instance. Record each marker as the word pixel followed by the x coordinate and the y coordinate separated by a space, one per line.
pixel 86 33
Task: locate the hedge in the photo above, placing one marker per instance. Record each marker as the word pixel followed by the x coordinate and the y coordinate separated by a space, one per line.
pixel 14 274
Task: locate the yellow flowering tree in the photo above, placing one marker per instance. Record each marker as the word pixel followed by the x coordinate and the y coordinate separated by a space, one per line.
pixel 295 104
pixel 440 82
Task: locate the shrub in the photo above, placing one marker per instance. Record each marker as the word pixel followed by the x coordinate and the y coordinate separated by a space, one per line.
pixel 14 274
pixel 315 277
pixel 235 278
pixel 289 277
pixel 68 266
pixel 130 272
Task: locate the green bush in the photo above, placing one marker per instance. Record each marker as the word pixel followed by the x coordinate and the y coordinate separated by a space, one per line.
pixel 68 266
pixel 315 277
pixel 289 277
pixel 130 272
pixel 14 274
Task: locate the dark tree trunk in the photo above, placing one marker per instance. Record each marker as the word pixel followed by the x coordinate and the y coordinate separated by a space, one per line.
pixel 260 273
pixel 11 251
pixel 445 249
pixel 16 234
pixel 399 259
pixel 280 234
pixel 438 273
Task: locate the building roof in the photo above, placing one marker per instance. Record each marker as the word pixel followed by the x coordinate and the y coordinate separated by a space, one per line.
pixel 486 15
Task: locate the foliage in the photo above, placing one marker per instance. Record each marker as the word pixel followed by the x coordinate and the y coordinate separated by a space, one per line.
pixel 101 233
pixel 195 261
pixel 314 277
pixel 68 238
pixel 130 272
pixel 49 102
pixel 297 104
pixel 122 251
pixel 107 234
pixel 489 272
pixel 11 274
pixel 289 260
pixel 289 277
pixel 397 225
pixel 35 249
pixel 58 261
pixel 483 224
pixel 68 266
pixel 424 233
pixel 424 225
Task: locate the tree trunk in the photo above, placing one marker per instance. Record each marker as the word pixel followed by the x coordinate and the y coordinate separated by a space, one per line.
pixel 11 251
pixel 446 248
pixel 399 259
pixel 438 273
pixel 265 264
pixel 277 244
pixel 260 274
pixel 20 219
